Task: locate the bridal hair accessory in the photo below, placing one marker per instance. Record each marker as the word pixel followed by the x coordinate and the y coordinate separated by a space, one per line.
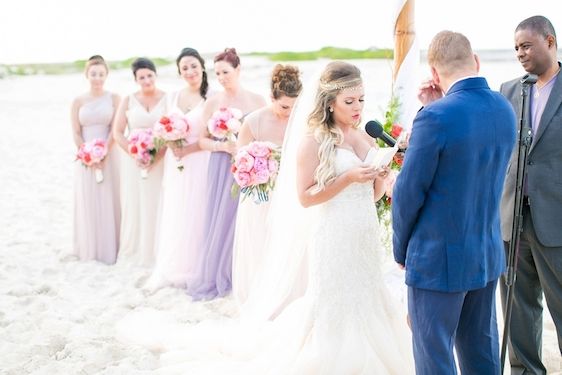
pixel 353 84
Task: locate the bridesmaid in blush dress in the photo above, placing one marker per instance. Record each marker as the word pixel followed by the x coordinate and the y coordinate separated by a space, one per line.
pixel 139 196
pixel 212 275
pixel 182 205
pixel 267 124
pixel 96 205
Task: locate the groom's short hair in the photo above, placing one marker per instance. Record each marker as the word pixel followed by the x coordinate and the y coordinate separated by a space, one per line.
pixel 450 51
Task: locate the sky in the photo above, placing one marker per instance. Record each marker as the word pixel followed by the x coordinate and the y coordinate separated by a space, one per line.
pixel 33 31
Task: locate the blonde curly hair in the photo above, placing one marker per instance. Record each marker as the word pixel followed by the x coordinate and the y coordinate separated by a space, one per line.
pixel 337 75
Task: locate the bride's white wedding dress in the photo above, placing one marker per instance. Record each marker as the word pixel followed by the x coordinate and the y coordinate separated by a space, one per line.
pixel 346 323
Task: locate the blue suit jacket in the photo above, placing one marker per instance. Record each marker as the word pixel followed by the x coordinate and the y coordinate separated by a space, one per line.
pixel 445 206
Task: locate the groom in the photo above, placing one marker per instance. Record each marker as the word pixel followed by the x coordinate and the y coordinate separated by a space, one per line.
pixel 445 212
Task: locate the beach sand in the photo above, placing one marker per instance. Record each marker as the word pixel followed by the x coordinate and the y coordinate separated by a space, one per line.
pixel 57 314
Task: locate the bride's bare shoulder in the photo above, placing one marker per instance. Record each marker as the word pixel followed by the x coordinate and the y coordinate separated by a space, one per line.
pixel 308 146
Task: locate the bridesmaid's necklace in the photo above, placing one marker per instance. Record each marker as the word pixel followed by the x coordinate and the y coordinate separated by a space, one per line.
pixel 191 100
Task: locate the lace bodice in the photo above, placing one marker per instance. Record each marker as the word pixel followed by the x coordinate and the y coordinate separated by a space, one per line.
pixel 347 239
pixel 347 159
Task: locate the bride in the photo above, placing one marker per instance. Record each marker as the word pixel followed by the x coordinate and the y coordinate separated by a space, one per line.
pixel 324 210
pixel 347 323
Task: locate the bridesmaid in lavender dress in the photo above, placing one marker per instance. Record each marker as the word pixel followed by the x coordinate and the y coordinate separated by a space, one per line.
pixel 139 196
pixel 267 124
pixel 96 205
pixel 213 273
pixel 182 205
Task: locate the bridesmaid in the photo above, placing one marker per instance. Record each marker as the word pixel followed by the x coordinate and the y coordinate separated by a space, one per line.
pixel 266 124
pixel 96 205
pixel 213 273
pixel 139 196
pixel 180 227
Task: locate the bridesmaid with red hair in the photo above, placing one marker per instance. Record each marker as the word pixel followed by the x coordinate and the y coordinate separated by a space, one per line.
pixel 213 271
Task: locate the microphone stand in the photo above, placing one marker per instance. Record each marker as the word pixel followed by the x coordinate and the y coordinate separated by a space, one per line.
pixel 525 137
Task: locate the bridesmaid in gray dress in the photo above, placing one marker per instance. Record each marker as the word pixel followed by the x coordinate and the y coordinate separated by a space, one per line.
pixel 96 205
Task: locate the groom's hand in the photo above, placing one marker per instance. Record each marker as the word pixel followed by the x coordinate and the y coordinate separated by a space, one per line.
pixel 401 266
pixel 429 91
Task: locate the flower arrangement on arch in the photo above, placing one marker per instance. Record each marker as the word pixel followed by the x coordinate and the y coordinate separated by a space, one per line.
pixel 225 123
pixel 255 169
pixel 391 126
pixel 93 152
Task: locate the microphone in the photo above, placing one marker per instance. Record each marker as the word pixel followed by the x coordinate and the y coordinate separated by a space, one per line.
pixel 375 130
pixel 529 79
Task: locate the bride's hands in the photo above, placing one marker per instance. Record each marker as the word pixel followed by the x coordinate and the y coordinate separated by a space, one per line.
pixel 380 182
pixel 362 174
pixel 382 173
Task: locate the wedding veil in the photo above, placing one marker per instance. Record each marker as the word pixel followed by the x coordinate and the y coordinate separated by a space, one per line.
pixel 283 276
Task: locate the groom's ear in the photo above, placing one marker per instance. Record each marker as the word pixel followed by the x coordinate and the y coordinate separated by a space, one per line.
pixel 435 76
pixel 477 61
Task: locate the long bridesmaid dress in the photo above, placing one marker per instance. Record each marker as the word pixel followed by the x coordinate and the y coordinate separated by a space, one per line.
pixel 249 242
pixel 182 207
pixel 96 205
pixel 212 275
pixel 140 196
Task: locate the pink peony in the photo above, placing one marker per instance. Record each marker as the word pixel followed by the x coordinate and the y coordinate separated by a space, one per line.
pixel 141 146
pixel 261 164
pixel 260 149
pixel 262 176
pixel 225 123
pixel 244 161
pixel 243 179
pixel 255 168
pixel 92 152
pixel 172 128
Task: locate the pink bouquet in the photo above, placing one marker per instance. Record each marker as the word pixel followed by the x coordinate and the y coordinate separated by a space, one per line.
pixel 172 129
pixel 143 148
pixel 92 152
pixel 225 123
pixel 255 168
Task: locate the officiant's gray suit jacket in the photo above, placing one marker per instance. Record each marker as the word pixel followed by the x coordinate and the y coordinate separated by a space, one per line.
pixel 544 170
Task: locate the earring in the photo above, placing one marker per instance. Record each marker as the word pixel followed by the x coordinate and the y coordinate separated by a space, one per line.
pixel 331 109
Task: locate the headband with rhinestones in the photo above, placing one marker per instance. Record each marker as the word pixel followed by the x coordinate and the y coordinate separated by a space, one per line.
pixel 343 84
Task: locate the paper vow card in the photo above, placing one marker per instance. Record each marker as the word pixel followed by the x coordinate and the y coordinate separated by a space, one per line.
pixel 384 156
